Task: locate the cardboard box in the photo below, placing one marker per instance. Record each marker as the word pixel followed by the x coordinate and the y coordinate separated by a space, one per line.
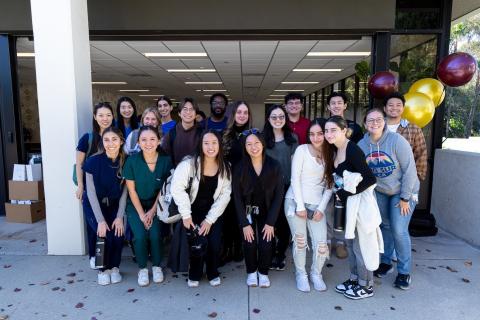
pixel 25 190
pixel 25 213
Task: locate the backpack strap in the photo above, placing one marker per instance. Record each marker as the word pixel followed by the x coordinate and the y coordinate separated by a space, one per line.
pixel 90 143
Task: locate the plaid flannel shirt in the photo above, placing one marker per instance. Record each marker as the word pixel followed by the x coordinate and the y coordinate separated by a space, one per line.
pixel 415 137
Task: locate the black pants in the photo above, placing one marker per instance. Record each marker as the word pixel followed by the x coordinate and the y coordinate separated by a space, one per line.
pixel 211 258
pixel 258 253
pixel 282 235
pixel 232 237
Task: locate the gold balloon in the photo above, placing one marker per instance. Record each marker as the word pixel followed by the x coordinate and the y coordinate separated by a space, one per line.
pixel 433 88
pixel 419 108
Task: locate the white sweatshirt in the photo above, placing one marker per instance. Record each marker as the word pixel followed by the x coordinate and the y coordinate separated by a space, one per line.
pixel 307 183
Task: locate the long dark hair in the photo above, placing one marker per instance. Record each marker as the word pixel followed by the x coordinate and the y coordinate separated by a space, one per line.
pixel 121 154
pixel 268 129
pixel 230 134
pixel 327 152
pixel 223 166
pixel 247 174
pixel 133 119
pixel 96 126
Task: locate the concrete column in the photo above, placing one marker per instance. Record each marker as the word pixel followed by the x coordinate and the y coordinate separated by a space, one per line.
pixel 62 59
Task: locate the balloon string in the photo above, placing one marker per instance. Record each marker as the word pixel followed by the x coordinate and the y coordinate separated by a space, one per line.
pixel 440 98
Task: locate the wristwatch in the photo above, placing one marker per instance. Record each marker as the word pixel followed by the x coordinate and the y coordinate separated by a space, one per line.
pixel 403 199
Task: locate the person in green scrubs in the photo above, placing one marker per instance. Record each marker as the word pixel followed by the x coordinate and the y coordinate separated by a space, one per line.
pixel 145 173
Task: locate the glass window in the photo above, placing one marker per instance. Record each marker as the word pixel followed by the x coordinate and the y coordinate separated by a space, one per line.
pixel 412 14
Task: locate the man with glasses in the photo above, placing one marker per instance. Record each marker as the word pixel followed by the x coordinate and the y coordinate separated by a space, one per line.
pixel 218 105
pixel 182 140
pixel 393 106
pixel 298 124
pixel 337 104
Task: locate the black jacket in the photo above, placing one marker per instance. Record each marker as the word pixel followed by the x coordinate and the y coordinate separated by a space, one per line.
pixel 272 183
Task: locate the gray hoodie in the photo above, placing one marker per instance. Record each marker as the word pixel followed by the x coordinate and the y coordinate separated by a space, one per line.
pixel 392 163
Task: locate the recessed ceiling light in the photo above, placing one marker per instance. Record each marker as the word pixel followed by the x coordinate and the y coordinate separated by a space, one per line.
pixel 277 95
pixel 199 90
pixel 288 90
pixel 191 70
pixel 134 90
pixel 25 54
pixel 214 90
pixel 109 82
pixel 150 95
pixel 174 54
pixel 317 70
pixel 339 54
pixel 202 82
pixel 275 99
pixel 300 82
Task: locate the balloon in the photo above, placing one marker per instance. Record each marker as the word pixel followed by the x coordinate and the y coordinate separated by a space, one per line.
pixel 433 88
pixel 419 108
pixel 382 84
pixel 457 69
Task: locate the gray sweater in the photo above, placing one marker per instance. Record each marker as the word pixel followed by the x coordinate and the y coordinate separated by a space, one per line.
pixel 391 161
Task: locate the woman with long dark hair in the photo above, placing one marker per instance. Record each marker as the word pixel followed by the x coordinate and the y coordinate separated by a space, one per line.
pixel 87 146
pixel 281 143
pixel 126 115
pixel 233 150
pixel 306 202
pixel 107 197
pixel 258 190
pixel 145 173
pixel 201 187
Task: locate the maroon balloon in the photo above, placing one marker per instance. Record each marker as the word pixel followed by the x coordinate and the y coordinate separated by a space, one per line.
pixel 457 69
pixel 382 84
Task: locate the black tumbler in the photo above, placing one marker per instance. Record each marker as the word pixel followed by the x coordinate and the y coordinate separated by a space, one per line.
pixel 99 252
pixel 339 216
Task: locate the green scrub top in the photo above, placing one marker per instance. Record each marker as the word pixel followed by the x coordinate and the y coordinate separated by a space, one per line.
pixel 147 183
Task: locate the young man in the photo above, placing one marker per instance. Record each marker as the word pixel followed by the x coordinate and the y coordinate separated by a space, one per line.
pixel 164 105
pixel 218 105
pixel 393 106
pixel 182 140
pixel 337 104
pixel 298 124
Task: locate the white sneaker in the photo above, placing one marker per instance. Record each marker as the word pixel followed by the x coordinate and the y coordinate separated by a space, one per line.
pixel 103 278
pixel 252 279
pixel 143 280
pixel 193 283
pixel 302 282
pixel 318 282
pixel 92 263
pixel 157 274
pixel 215 282
pixel 115 276
pixel 263 280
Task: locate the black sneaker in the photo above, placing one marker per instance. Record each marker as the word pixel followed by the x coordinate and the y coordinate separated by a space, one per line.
pixel 383 270
pixel 280 266
pixel 359 292
pixel 274 264
pixel 344 286
pixel 403 281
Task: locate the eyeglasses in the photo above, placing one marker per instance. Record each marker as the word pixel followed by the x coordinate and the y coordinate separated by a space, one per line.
pixel 249 132
pixel 188 110
pixel 294 103
pixel 377 121
pixel 275 118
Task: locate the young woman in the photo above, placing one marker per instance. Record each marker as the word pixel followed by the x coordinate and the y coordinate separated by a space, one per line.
pixel 87 146
pixel 150 117
pixel 201 187
pixel 306 202
pixel 348 156
pixel 391 160
pixel 239 122
pixel 165 108
pixel 145 173
pixel 126 116
pixel 107 196
pixel 281 144
pixel 258 190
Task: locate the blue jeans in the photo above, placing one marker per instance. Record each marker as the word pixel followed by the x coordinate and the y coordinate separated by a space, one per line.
pixel 395 231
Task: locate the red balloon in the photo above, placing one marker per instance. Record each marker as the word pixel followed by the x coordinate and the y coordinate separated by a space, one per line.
pixel 382 84
pixel 457 69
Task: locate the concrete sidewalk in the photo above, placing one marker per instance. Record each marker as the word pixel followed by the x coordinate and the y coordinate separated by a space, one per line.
pixel 445 285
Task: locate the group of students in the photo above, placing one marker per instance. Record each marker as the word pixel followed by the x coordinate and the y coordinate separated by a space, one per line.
pixel 247 193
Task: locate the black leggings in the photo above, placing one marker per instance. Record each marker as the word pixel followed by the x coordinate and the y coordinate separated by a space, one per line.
pixel 282 235
pixel 258 253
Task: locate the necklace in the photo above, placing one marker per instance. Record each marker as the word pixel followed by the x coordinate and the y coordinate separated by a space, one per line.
pixel 152 162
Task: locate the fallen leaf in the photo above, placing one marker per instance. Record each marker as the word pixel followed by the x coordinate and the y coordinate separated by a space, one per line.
pixel 214 299
pixel 428 250
pixel 256 310
pixel 70 281
pixel 31 284
pixel 63 290
pixel 134 300
pixel 212 315
pixel 393 297
pixel 33 240
pixel 329 265
pixel 64 315
pixel 6 266
pixel 197 294
pixel 338 308
pixel 79 305
pixel 433 268
pixel 130 290
pixel 55 288
pixel 44 283
pixel 468 263
pixel 188 308
pixel 72 274
pixel 392 308
pixel 451 269
pixel 465 280
pixel 59 279
pixel 17 290
pixel 413 250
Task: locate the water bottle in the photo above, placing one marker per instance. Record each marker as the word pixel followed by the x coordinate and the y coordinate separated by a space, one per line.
pixel 339 216
pixel 99 252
